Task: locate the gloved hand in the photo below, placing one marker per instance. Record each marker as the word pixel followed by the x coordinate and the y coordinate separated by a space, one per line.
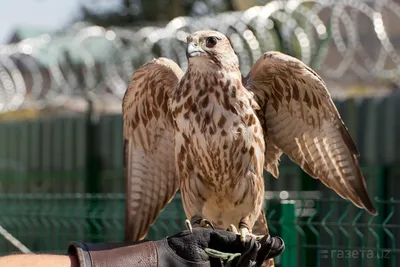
pixel 203 247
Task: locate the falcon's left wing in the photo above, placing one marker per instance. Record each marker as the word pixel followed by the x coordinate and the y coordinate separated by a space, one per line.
pixel 300 119
pixel 151 180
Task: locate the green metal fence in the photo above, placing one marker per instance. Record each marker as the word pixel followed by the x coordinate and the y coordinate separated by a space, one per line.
pixel 61 179
pixel 317 231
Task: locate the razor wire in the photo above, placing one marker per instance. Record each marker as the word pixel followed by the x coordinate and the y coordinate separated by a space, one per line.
pixel 339 39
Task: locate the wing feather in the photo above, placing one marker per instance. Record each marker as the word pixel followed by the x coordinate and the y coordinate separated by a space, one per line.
pixel 300 119
pixel 151 180
pixel 272 153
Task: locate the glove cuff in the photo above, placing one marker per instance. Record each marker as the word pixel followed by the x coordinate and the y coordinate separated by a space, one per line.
pixel 80 251
pixel 146 253
pixel 115 255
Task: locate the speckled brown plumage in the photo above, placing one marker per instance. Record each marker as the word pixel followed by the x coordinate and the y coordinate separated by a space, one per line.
pixel 149 144
pixel 211 134
pixel 301 120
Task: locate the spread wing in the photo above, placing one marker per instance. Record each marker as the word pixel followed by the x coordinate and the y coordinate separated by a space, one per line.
pixel 301 120
pixel 149 144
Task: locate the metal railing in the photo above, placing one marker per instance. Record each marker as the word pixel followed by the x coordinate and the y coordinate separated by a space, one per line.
pixel 317 231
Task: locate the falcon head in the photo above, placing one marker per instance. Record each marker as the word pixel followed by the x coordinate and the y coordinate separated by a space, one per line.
pixel 210 48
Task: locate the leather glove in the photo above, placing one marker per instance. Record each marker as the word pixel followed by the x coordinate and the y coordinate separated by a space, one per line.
pixel 203 247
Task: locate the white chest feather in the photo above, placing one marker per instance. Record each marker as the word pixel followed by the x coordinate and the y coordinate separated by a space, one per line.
pixel 215 114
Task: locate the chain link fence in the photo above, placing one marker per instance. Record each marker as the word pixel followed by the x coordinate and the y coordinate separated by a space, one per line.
pixel 318 231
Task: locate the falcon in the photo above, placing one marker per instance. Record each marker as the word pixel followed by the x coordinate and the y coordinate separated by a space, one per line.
pixel 211 132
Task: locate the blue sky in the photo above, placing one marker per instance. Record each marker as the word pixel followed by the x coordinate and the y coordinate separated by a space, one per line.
pixel 51 14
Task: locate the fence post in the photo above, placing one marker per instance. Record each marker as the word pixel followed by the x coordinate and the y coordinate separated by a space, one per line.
pixel 92 173
pixel 383 210
pixel 289 234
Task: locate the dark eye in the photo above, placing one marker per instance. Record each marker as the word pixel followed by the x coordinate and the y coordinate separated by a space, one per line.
pixel 211 42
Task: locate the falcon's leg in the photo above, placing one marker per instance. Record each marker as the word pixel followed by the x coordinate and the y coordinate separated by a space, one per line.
pixel 244 230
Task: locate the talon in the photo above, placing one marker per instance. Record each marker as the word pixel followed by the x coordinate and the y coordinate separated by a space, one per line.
pixel 257 237
pixel 189 226
pixel 233 229
pixel 244 232
pixel 197 220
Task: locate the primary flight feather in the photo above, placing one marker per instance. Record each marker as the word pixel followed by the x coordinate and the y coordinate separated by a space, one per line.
pixel 210 133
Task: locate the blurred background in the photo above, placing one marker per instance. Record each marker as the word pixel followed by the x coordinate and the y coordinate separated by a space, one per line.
pixel 65 65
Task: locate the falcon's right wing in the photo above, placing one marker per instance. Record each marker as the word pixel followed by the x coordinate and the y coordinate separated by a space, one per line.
pixel 151 180
pixel 301 120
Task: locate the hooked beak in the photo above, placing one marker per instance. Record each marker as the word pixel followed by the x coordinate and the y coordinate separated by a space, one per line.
pixel 193 50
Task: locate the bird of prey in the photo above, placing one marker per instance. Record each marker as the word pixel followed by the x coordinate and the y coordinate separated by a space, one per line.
pixel 210 132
